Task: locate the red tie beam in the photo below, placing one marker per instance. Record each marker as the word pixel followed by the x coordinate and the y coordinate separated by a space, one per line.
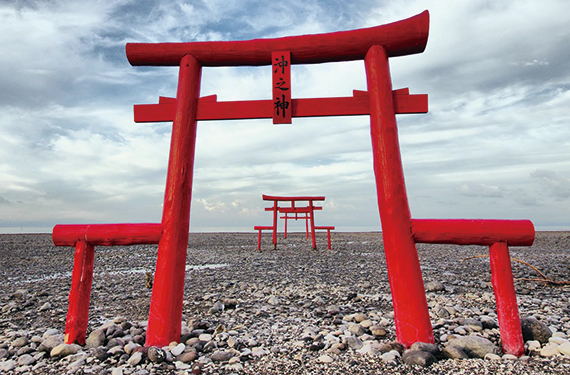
pixel 375 46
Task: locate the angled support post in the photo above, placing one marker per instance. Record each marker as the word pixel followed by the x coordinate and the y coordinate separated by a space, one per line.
pixel 80 294
pixel 408 295
pixel 506 299
pixel 165 316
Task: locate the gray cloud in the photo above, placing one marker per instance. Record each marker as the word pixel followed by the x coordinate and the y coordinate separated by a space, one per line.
pixel 496 131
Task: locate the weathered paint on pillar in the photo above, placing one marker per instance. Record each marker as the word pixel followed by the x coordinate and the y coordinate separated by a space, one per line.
pixel 275 213
pixel 80 294
pixel 408 295
pixel 165 317
pixel 506 298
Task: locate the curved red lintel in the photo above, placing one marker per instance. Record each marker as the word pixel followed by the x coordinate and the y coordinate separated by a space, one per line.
pixel 300 198
pixel 404 37
pixel 473 232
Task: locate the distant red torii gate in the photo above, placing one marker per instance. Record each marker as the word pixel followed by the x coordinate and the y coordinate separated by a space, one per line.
pixel 400 233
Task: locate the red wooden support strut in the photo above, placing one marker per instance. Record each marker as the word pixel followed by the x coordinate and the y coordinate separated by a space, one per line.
pixel 408 295
pixel 506 298
pixel 211 109
pixel 168 290
pixel 80 294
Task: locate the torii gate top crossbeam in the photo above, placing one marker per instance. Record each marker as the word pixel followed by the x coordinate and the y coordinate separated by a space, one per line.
pixel 405 37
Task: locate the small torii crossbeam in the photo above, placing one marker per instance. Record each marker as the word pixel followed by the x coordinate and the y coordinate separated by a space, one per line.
pixel 400 232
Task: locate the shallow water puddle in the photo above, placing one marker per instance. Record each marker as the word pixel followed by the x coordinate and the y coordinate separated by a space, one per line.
pixel 128 271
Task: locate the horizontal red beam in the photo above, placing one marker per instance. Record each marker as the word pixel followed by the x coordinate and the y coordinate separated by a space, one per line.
pixel 281 209
pixel 473 232
pixel 107 234
pixel 290 199
pixel 210 109
pixel 405 37
pixel 292 210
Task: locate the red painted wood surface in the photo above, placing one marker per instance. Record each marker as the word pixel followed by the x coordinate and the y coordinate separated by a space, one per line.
pixel 281 87
pixel 80 294
pixel 399 38
pixel 506 298
pixel 210 109
pixel 408 295
pixel 106 234
pixel 473 232
pixel 167 293
pixel 291 199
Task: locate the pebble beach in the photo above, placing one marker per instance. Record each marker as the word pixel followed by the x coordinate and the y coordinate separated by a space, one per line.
pixel 292 310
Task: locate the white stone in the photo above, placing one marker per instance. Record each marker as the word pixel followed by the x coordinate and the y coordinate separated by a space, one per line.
pixel 564 348
pixel 549 350
pixel 181 365
pixel 135 359
pixel 557 340
pixel 178 349
pixel 492 357
pixel 117 371
pixel 325 359
pixel 205 337
pixel 510 357
pixel 533 345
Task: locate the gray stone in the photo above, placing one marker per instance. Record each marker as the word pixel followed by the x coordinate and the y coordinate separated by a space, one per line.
pixel 454 352
pixel 221 356
pixel 100 353
pixel 474 346
pixel 96 339
pixel 356 329
pixel 534 329
pixel 135 359
pixel 20 341
pixel 333 310
pixel 474 324
pixel 426 347
pixel 50 332
pixel 488 322
pixel 49 343
pixel 434 286
pixel 156 355
pixel 187 357
pixel 217 307
pixel 45 306
pixel 130 347
pixel 353 342
pixel 3 353
pixel 63 350
pixel 26 360
pixel 378 331
pixel 7 366
pixel 273 300
pixel 418 358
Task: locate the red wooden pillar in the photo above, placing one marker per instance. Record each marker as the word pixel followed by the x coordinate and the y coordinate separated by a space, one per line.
pixel 506 298
pixel 312 218
pixel 166 302
pixel 275 217
pixel 408 294
pixel 80 294
pixel 285 234
pixel 307 225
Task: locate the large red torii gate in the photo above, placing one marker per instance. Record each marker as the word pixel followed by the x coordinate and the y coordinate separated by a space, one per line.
pixel 400 233
pixel 374 45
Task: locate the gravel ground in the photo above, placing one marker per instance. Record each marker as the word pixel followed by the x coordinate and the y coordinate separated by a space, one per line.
pixel 292 310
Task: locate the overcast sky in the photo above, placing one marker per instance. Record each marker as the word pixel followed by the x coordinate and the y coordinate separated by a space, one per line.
pixel 495 143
